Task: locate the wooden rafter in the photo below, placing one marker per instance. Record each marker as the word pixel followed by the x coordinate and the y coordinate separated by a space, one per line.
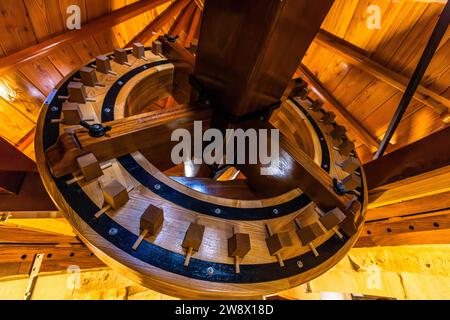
pixel 347 118
pixel 339 46
pixel 63 40
pixel 193 28
pixel 183 20
pixel 160 21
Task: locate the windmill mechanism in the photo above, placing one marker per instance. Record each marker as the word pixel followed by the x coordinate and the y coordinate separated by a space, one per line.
pixel 103 145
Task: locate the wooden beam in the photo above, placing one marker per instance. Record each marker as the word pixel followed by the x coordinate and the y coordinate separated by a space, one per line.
pixel 126 136
pixel 427 154
pixel 249 50
pixel 416 78
pixel 426 184
pixel 417 229
pixel 17 259
pixel 339 46
pixel 183 20
pixel 101 24
pixel 294 170
pixel 347 118
pixel 11 233
pixel 193 28
pixel 160 21
pixel 427 204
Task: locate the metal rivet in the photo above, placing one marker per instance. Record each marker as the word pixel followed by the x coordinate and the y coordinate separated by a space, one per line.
pixel 325 166
pixel 210 271
pixel 299 264
pixel 107 110
pixel 120 83
pixel 54 109
pixel 113 231
pixel 145 67
pixel 157 186
pixel 217 211
pixel 275 211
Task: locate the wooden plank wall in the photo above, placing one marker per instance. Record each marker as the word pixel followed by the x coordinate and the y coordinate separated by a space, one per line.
pixel 27 22
pixel 405 29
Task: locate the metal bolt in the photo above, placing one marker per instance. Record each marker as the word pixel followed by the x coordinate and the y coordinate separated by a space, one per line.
pixel 299 264
pixel 275 211
pixel 107 110
pixel 210 271
pixel 120 83
pixel 217 211
pixel 113 231
pixel 54 109
pixel 157 186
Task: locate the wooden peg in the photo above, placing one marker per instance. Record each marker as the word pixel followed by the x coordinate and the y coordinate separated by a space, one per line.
pixel 316 105
pixel 238 247
pixel 121 57
pixel 77 93
pixel 139 51
pixel 299 89
pixel 89 167
pixel 151 223
pixel 277 242
pixel 351 182
pixel 338 132
pixel 157 48
pixel 103 65
pixel 72 113
pixel 346 148
pixel 193 240
pixel 89 77
pixel 81 177
pixel 102 211
pixel 354 207
pixel 332 219
pixel 350 164
pixel 115 194
pixel 328 117
pixel 308 234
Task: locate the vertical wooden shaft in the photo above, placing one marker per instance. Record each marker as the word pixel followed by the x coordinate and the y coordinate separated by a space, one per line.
pixel 249 50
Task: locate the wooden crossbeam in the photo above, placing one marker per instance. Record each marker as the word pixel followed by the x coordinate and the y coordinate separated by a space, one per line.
pixel 426 204
pixel 99 25
pixel 17 259
pixel 347 118
pixel 416 229
pixel 160 21
pixel 295 170
pixel 427 154
pixel 126 136
pixel 339 46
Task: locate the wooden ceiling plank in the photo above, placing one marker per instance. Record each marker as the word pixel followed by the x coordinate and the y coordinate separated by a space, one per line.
pixel 39 50
pixel 398 81
pixel 347 117
pixel 148 33
pixel 17 30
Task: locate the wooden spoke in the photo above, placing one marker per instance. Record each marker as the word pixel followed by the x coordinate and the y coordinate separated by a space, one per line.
pixel 126 136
